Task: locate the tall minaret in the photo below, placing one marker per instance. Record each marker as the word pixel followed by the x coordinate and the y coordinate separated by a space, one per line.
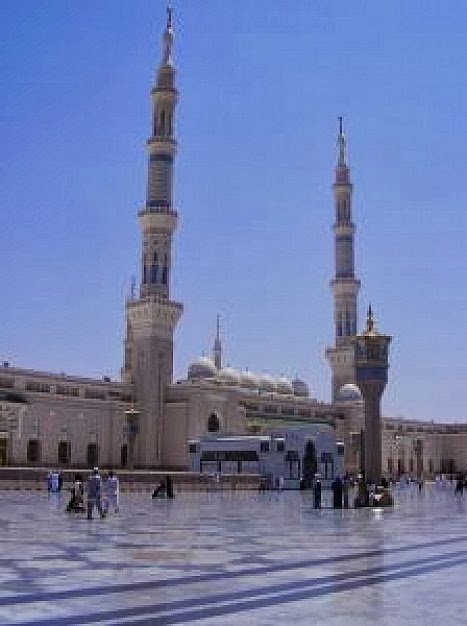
pixel 217 349
pixel 151 318
pixel 344 285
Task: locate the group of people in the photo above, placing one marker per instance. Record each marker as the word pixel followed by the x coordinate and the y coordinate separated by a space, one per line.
pixel 343 488
pixel 340 492
pixel 101 494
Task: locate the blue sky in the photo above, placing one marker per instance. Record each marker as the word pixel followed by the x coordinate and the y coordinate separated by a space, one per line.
pixel 261 85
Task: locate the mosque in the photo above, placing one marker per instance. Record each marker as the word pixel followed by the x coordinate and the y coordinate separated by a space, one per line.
pixel 148 420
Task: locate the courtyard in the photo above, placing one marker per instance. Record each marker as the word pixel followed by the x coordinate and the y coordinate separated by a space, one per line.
pixel 225 558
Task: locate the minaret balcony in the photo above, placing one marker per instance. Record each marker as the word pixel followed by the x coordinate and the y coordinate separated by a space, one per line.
pixel 162 143
pixel 163 89
pixel 158 218
pixel 154 315
pixel 345 287
pixel 344 228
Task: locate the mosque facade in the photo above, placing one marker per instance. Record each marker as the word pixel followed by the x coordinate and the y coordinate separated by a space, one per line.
pixel 147 420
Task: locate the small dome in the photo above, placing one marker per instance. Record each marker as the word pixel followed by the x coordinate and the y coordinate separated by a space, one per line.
pixel 267 383
pixel 348 393
pixel 202 368
pixel 284 386
pixel 248 380
pixel 300 388
pixel 229 376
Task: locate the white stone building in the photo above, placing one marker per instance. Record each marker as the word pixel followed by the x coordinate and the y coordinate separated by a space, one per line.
pixel 147 419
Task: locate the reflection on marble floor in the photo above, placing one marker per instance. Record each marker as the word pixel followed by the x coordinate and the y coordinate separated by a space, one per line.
pixel 234 558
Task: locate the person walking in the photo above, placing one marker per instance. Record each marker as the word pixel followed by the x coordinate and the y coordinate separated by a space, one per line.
pixel 112 491
pixel 345 491
pixel 317 492
pixel 94 489
pixel 53 481
pixel 169 488
pixel 76 503
pixel 337 492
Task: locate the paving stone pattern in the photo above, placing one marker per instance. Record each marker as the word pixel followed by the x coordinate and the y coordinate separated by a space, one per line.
pixel 225 559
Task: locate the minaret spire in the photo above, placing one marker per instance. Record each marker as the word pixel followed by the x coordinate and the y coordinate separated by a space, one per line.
pixel 344 284
pixel 341 144
pixel 168 38
pixel 218 346
pixel 370 322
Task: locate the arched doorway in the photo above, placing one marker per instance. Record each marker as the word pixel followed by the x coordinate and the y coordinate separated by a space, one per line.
pixel 310 465
pixel 124 455
pixel 213 423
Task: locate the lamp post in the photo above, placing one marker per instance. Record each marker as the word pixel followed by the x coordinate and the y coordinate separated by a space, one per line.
pixel 371 372
pixel 132 422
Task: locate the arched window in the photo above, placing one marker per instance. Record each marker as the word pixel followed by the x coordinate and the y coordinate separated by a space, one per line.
pixel 165 275
pixel 348 325
pixel 162 123
pixel 340 324
pixel 92 455
pixel 33 451
pixel 154 274
pixel 213 423
pixel 64 452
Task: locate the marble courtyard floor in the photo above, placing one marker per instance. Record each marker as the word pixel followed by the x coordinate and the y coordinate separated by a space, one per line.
pixel 234 558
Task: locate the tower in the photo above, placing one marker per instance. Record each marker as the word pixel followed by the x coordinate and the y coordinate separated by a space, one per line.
pixel 344 285
pixel 371 372
pixel 217 348
pixel 152 317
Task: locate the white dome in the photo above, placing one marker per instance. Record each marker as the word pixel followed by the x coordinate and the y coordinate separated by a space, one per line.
pixel 348 393
pixel 248 380
pixel 202 368
pixel 267 383
pixel 300 388
pixel 284 386
pixel 229 376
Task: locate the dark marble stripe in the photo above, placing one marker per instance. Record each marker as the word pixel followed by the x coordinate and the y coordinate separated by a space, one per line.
pixel 280 593
pixel 49 596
